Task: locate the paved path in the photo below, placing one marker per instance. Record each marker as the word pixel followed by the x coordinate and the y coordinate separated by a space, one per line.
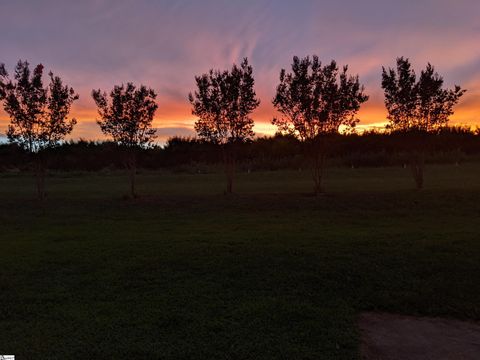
pixel 394 337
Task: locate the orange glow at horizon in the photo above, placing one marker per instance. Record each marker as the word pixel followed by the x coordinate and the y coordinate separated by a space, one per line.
pixel 174 118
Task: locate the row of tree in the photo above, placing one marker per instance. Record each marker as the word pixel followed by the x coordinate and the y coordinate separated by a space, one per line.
pixel 450 145
pixel 314 102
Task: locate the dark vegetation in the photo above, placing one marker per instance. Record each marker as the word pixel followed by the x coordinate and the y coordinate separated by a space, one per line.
pixel 452 145
pixel 127 118
pixel 38 114
pixel 314 101
pixel 419 107
pixel 223 103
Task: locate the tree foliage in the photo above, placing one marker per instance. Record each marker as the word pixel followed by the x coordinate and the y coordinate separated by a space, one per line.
pixel 316 100
pixel 128 116
pixel 223 103
pixel 38 114
pixel 3 80
pixel 422 105
pixel 417 106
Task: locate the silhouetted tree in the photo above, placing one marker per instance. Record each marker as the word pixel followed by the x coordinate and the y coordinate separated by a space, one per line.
pixel 38 115
pixel 128 118
pixel 417 108
pixel 315 101
pixel 223 102
pixel 3 80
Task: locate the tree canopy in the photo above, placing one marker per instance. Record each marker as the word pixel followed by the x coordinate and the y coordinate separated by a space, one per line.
pixel 421 104
pixel 316 100
pixel 128 116
pixel 223 102
pixel 38 114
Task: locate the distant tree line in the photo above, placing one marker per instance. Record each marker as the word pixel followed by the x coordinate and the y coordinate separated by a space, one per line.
pixel 314 101
pixel 452 145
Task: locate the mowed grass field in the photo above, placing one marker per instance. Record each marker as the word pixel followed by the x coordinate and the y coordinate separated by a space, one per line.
pixel 185 272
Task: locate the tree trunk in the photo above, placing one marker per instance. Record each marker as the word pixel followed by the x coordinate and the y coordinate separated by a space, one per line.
pixel 317 153
pixel 417 165
pixel 39 176
pixel 229 163
pixel 133 175
pixel 419 144
pixel 131 162
pixel 231 175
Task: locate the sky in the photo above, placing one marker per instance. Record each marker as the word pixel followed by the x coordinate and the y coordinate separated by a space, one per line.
pixel 96 44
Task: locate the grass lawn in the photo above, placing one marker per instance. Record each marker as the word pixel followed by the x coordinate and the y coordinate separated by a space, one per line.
pixel 269 273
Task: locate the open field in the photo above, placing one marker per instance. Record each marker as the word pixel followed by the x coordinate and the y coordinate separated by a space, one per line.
pixel 269 273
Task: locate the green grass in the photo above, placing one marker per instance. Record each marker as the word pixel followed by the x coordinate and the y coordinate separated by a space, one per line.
pixel 269 273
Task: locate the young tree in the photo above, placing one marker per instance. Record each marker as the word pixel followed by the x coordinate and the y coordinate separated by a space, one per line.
pixel 223 102
pixel 417 108
pixel 128 118
pixel 315 101
pixel 38 114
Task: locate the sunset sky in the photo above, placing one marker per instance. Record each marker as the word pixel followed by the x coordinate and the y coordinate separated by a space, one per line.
pixel 164 44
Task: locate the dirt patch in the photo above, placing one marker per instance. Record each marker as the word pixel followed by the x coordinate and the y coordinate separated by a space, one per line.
pixel 394 337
